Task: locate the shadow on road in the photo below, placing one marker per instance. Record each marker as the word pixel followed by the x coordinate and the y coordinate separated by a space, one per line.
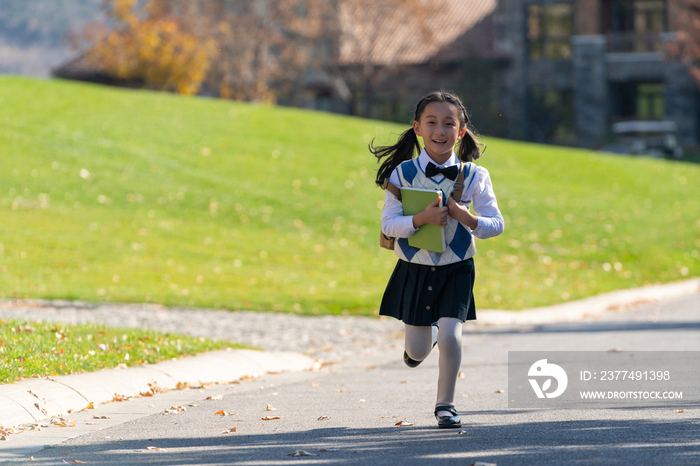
pixel 521 443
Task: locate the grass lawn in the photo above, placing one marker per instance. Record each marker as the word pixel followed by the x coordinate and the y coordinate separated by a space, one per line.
pixel 118 195
pixel 30 349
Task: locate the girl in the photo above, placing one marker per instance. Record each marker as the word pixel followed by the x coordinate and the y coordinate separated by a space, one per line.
pixel 429 290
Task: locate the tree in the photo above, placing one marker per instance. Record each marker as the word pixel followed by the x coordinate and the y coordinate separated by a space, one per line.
pixel 150 45
pixel 686 47
pixel 247 49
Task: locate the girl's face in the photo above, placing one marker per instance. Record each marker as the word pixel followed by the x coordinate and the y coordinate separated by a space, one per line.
pixel 440 128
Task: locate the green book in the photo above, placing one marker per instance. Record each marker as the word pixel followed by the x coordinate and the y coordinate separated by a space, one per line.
pixel 430 237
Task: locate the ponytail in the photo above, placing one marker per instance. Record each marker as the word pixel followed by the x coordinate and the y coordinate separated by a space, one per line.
pixel 403 150
pixel 468 149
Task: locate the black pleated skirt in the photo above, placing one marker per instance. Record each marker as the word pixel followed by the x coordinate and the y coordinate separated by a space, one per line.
pixel 420 294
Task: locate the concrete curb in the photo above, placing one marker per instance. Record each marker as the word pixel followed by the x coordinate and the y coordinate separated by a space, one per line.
pixel 592 307
pixel 34 400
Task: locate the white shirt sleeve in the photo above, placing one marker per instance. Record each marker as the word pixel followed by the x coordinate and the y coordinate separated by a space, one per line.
pixel 394 223
pixel 480 192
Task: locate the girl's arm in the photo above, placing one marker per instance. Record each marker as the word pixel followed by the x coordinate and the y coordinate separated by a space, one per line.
pixel 488 221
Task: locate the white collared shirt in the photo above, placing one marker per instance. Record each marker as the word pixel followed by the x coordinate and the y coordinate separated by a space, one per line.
pixel 479 191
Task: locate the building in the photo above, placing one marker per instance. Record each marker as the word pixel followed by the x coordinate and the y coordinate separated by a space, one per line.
pixel 551 71
pixel 576 67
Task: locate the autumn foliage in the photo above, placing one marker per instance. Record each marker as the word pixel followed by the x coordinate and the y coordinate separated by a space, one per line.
pixel 149 45
pixel 238 50
pixel 687 44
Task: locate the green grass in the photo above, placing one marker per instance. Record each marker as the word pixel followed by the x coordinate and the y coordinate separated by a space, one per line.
pixel 29 349
pixel 131 196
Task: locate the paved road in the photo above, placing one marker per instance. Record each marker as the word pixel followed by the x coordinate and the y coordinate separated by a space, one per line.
pixel 346 413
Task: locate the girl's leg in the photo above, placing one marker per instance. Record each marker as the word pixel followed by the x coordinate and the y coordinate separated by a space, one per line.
pixel 418 342
pixel 450 346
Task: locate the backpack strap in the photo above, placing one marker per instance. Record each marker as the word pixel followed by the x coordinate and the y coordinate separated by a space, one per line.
pixel 466 170
pixel 387 185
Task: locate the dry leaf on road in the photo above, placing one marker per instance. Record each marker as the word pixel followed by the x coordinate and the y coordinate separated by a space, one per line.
pixel 223 413
pixel 270 418
pixel 217 397
pixel 324 418
pixel 231 430
pixel 500 391
pixel 270 408
pixel 301 453
pixel 462 375
pixel 403 423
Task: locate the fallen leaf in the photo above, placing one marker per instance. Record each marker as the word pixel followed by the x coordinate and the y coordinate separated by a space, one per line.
pixel 315 384
pixel 217 397
pixel 462 375
pixel 615 350
pixel 41 409
pixel 500 391
pixel 342 390
pixel 222 413
pixel 324 418
pixel 270 408
pixel 362 401
pixel 155 449
pixel 231 430
pixel 679 411
pixel 4 437
pixel 462 432
pixel 192 406
pixel 79 462
pixel 271 418
pixel 63 423
pixel 403 423
pixel 301 453
pixel 101 417
pixel 118 397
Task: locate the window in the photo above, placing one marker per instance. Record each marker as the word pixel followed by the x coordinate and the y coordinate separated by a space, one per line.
pixel 637 101
pixel 634 25
pixel 549 31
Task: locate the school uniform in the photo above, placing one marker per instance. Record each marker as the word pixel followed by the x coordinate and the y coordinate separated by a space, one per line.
pixel 426 286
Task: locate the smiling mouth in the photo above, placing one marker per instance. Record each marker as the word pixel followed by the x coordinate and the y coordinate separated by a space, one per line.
pixel 439 142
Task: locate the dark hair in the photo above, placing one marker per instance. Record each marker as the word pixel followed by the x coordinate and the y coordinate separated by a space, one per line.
pixel 408 142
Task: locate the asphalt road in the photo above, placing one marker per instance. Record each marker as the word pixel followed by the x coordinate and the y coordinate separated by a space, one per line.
pixel 347 413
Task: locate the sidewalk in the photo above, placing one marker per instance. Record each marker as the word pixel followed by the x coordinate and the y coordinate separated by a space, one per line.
pixel 331 339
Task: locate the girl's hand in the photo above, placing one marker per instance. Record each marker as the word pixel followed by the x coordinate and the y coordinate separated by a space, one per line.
pixel 433 214
pixel 461 213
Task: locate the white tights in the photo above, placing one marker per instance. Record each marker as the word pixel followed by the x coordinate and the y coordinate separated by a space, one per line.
pixel 418 344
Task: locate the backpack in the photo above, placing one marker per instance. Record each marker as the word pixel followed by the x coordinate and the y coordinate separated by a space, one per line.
pixel 387 242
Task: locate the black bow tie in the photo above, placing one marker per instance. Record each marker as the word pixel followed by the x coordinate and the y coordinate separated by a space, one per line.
pixel 448 172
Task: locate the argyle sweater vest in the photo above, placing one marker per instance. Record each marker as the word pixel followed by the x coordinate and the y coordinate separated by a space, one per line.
pixel 458 237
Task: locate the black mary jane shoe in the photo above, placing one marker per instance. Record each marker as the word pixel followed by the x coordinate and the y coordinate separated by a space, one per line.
pixel 447 422
pixel 410 362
